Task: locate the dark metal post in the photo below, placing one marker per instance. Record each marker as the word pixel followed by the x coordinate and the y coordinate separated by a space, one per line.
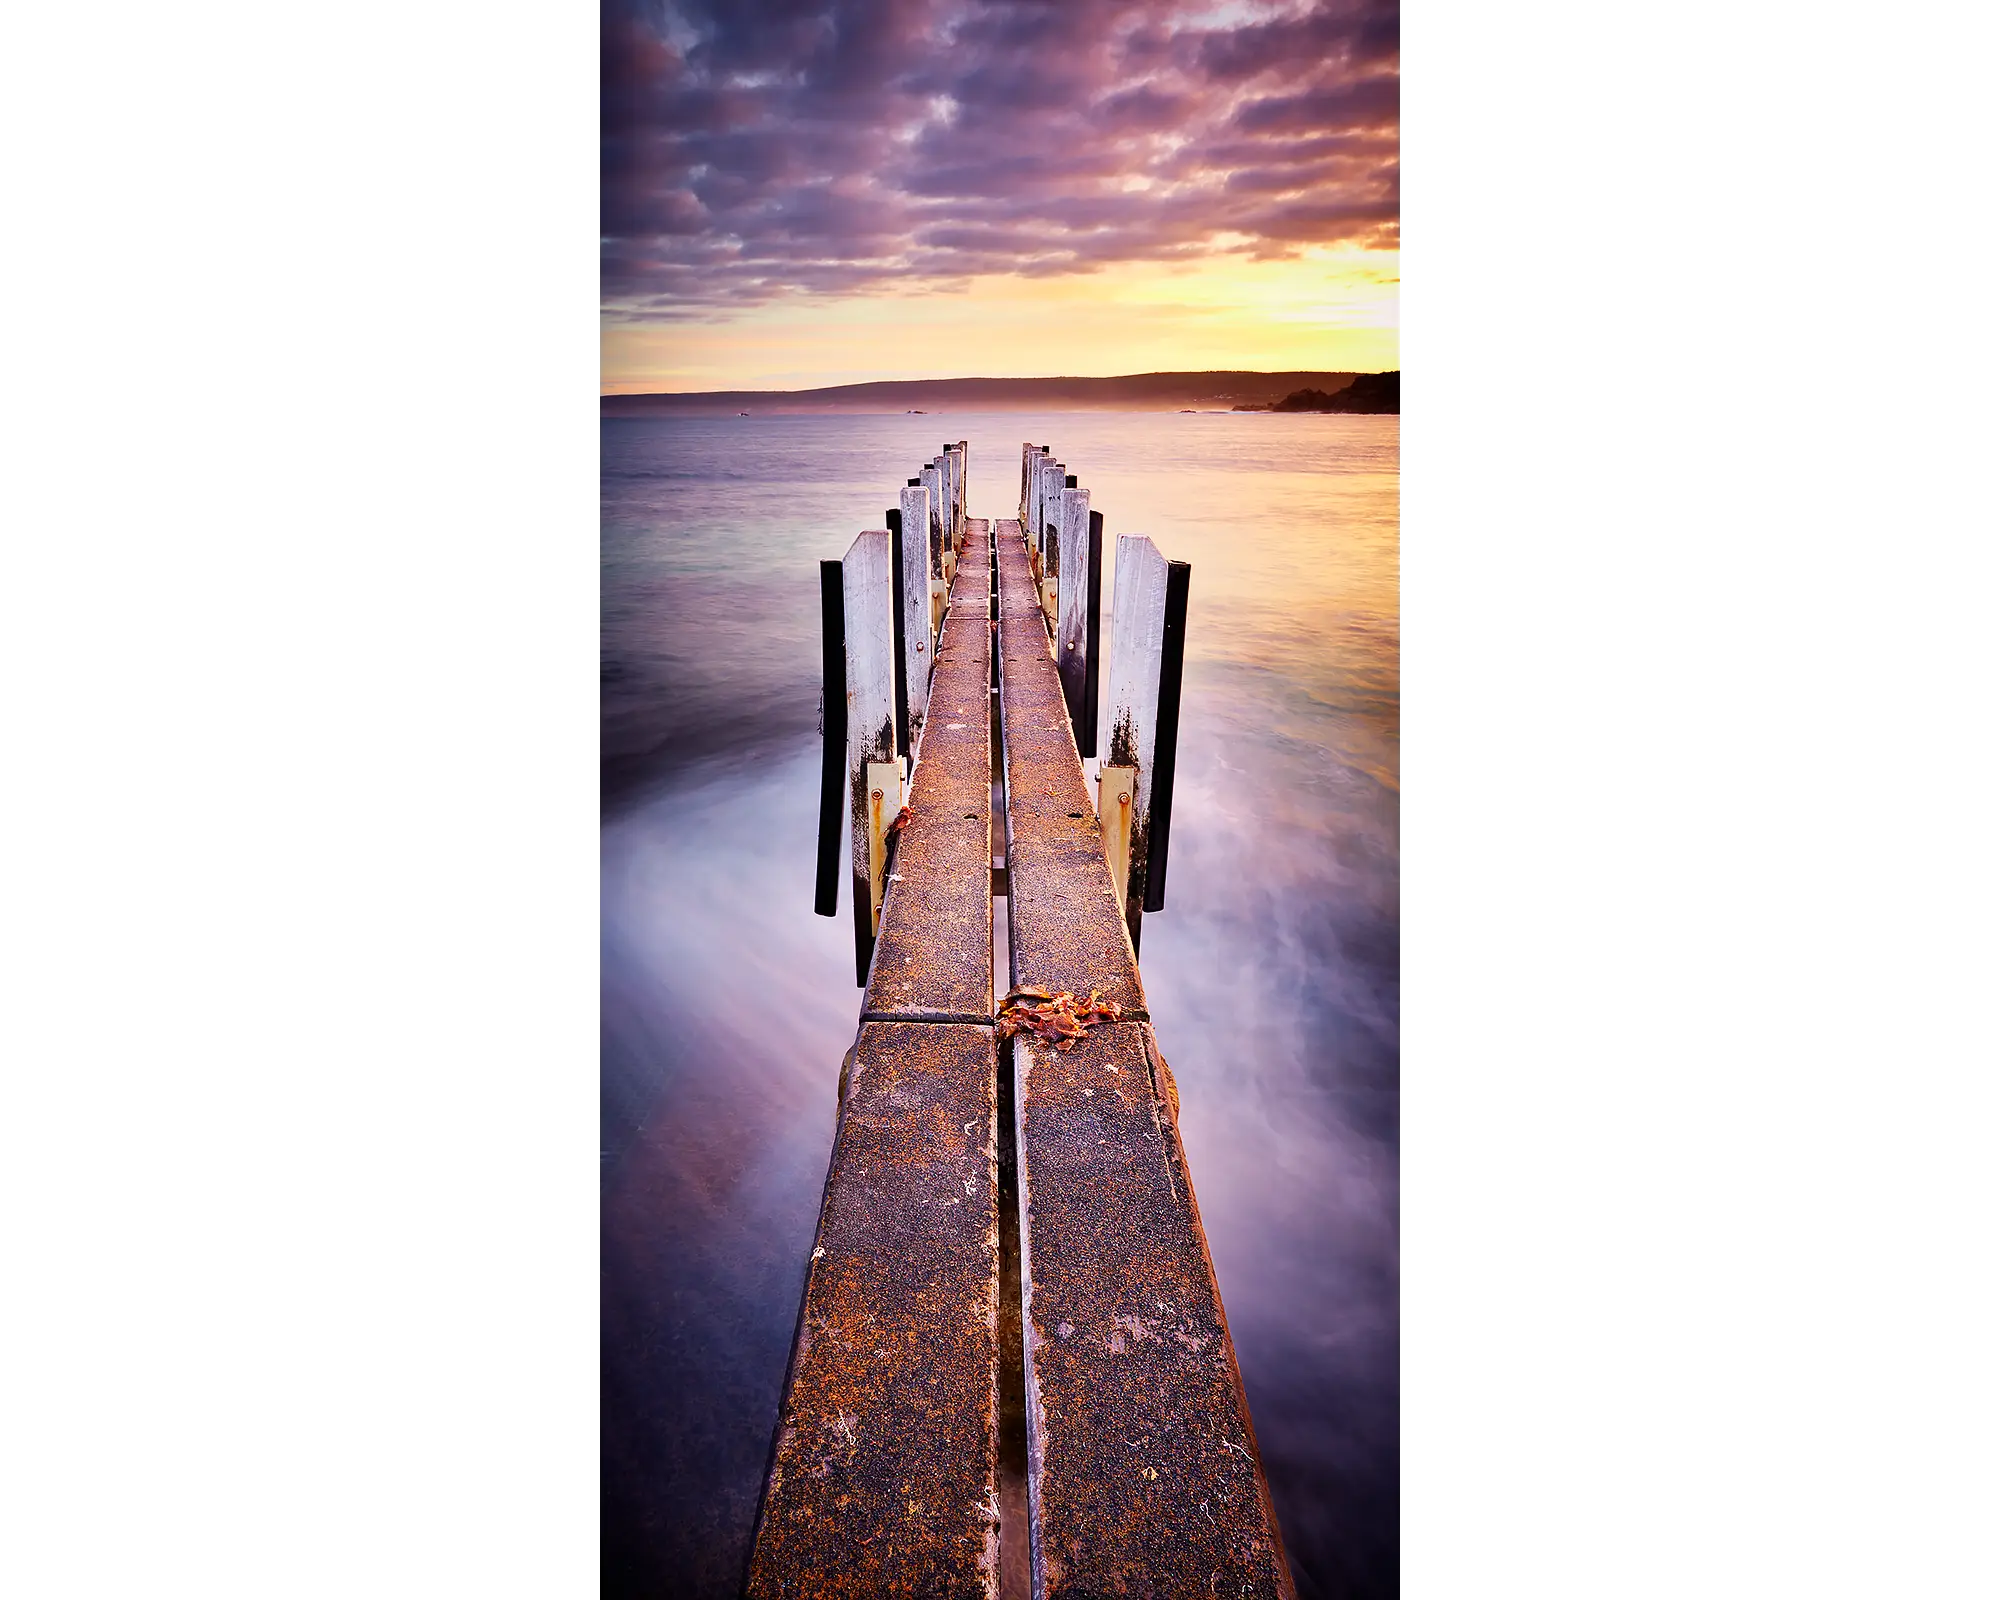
pixel 833 748
pixel 896 600
pixel 1173 650
pixel 1093 577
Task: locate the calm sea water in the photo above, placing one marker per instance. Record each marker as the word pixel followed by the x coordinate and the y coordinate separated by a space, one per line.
pixel 1272 974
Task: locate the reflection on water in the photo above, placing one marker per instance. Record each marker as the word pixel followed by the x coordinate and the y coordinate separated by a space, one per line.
pixel 1272 975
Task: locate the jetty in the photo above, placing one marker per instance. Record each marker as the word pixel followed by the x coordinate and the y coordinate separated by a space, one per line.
pixel 1012 1374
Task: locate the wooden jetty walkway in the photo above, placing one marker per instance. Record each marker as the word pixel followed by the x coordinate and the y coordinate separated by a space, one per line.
pixel 1012 1373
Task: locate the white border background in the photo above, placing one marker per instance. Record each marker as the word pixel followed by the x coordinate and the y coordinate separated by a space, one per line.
pixel 298 638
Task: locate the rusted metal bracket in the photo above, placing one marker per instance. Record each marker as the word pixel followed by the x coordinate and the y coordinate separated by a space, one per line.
pixel 885 803
pixel 1117 788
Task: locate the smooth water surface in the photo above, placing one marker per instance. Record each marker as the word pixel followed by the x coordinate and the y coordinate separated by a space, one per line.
pixel 1272 974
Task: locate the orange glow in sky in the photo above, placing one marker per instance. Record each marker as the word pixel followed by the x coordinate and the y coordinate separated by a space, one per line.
pixel 1330 311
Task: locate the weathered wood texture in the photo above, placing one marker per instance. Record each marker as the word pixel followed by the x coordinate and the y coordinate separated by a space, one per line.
pixel 918 641
pixel 882 1479
pixel 964 487
pixel 947 495
pixel 1132 706
pixel 1050 509
pixel 1073 599
pixel 1143 1473
pixel 932 477
pixel 934 954
pixel 871 709
pixel 1063 922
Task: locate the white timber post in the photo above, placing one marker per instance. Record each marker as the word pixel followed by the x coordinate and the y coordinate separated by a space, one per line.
pixel 954 487
pixel 918 637
pixel 964 487
pixel 1052 489
pixel 933 477
pixel 935 586
pixel 1073 599
pixel 1138 634
pixel 1027 456
pixel 874 770
pixel 1032 528
pixel 945 495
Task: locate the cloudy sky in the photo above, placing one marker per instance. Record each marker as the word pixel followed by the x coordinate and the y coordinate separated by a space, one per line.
pixel 804 192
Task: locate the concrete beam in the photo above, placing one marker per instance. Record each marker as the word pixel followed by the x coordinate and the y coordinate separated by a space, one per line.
pixel 882 1477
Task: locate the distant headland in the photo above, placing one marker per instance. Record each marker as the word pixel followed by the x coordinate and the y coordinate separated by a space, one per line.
pixel 1380 393
pixel 1144 391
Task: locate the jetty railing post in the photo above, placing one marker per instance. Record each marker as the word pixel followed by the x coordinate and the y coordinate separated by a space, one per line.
pixel 1093 612
pixel 1041 513
pixel 1033 526
pixel 1138 637
pixel 1073 597
pixel 833 737
pixel 916 608
pixel 939 591
pixel 1173 653
pixel 874 774
pixel 1027 455
pixel 954 485
pixel 932 477
pixel 897 617
pixel 1045 535
pixel 1031 517
pixel 964 487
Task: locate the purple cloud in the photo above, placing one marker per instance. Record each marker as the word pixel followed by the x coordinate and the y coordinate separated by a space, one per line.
pixel 819 146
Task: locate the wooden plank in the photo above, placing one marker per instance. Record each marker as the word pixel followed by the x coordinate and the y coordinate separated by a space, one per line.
pixel 919 639
pixel 934 954
pixel 1143 1471
pixel 1138 626
pixel 1064 926
pixel 1075 591
pixel 871 713
pixel 883 1473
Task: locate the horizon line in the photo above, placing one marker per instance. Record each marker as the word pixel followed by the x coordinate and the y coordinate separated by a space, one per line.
pixel 871 383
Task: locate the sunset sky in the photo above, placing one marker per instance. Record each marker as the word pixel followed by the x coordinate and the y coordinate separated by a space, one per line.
pixel 809 192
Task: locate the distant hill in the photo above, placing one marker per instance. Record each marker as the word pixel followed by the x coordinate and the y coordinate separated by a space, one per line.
pixel 1376 392
pixel 1144 391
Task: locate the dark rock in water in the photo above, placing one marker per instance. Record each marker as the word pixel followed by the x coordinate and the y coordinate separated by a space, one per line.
pixel 1379 393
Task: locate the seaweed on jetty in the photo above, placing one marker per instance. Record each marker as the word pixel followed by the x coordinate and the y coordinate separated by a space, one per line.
pixel 1054 1017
